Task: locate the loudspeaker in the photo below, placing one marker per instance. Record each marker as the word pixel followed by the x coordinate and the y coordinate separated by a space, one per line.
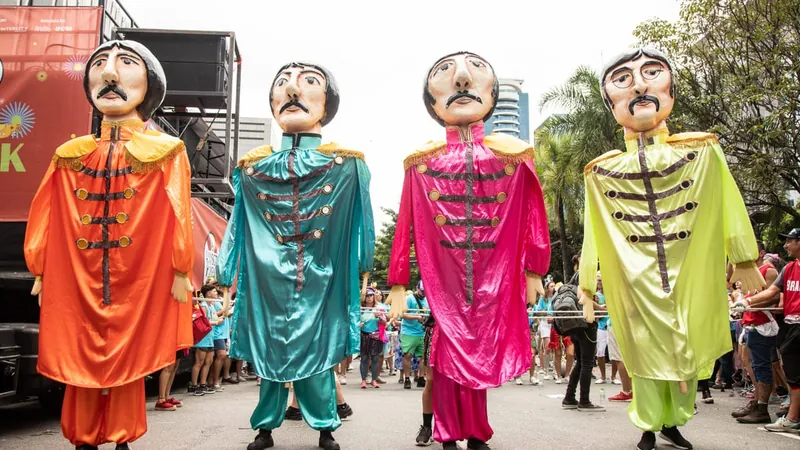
pixel 192 61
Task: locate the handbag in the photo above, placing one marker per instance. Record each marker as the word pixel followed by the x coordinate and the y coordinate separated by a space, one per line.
pixel 201 326
pixel 770 328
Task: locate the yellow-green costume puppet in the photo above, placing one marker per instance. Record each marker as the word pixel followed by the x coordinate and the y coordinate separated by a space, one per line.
pixel 661 217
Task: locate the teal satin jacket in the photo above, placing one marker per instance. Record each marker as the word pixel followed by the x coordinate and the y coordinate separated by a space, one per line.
pixel 300 234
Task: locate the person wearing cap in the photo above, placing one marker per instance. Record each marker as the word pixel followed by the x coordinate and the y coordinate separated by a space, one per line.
pixel 481 237
pixel 661 218
pixel 109 239
pixel 300 234
pixel 787 283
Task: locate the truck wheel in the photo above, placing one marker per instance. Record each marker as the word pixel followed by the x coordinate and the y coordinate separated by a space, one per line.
pixel 52 399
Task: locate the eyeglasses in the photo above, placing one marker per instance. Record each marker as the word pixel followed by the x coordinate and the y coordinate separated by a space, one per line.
pixel 623 78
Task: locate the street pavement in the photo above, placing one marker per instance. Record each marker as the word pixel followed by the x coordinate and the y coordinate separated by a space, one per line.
pixel 523 417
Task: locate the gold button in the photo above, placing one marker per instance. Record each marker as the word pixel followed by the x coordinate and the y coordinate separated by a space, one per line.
pixel 268 216
pixel 440 220
pixel 434 195
pixel 279 238
pixel 328 188
pixel 338 160
pixel 82 193
pixel 128 193
pixel 124 241
pixel 326 210
pixel 501 197
pixel 510 169
pixel 86 219
pixel 495 221
pixel 422 168
pixel 262 196
pixel 317 234
pixel 82 244
pixel 77 165
pixel 249 171
pixel 122 217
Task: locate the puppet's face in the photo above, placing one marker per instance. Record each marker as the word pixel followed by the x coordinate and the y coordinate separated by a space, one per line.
pixel 298 99
pixel 639 92
pixel 461 87
pixel 117 82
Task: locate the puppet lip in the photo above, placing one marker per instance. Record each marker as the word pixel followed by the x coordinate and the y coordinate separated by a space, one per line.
pixel 293 109
pixel 111 96
pixel 463 100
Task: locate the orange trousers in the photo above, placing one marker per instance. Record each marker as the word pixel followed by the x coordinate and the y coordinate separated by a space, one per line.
pixel 92 417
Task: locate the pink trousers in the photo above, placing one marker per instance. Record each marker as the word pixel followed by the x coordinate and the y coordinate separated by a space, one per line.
pixel 460 412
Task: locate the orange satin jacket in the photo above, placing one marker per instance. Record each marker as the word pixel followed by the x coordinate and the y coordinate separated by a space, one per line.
pixel 108 229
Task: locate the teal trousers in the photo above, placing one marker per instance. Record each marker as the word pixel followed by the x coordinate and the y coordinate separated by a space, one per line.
pixel 316 397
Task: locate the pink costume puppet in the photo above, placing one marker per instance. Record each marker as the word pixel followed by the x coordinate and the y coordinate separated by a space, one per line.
pixel 482 242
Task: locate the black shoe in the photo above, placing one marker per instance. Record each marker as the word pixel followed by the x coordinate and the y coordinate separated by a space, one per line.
pixel 648 441
pixel 86 447
pixel 477 444
pixel 569 404
pixel 327 442
pixel 407 383
pixel 262 441
pixel 123 446
pixel 195 390
pixel 707 398
pixel 590 407
pixel 674 438
pixel 206 389
pixel 293 413
pixel 421 382
pixel 425 436
pixel 450 445
pixel 344 410
pixel 229 381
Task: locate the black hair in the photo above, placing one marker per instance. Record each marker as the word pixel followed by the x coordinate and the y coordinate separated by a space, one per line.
pixel 633 55
pixel 331 89
pixel 429 100
pixel 207 288
pixel 156 80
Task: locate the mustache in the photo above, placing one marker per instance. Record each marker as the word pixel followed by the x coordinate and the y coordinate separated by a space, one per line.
pixel 115 89
pixel 462 94
pixel 291 103
pixel 643 99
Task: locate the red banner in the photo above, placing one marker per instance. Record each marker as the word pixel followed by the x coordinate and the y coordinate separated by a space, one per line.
pixel 43 53
pixel 208 229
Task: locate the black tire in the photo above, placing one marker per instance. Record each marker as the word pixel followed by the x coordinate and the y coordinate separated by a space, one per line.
pixel 52 399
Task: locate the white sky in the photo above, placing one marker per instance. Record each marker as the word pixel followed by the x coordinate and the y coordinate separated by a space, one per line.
pixel 380 52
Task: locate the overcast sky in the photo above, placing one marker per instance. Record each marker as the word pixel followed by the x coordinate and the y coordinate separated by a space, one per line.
pixel 379 53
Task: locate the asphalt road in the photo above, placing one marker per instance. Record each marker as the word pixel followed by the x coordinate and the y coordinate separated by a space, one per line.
pixel 523 417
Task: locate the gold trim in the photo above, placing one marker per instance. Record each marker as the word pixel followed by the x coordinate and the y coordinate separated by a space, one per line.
pixel 334 150
pixel 432 150
pixel 147 167
pixel 77 165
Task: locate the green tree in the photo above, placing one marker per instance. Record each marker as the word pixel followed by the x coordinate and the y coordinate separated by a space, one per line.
pixel 738 75
pixel 383 252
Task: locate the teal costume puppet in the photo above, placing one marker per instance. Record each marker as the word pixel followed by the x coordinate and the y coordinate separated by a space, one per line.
pixel 300 233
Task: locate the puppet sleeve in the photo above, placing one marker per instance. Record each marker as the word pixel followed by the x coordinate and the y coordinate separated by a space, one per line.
pixel 177 177
pixel 228 259
pixel 38 224
pixel 589 257
pixel 537 235
pixel 740 241
pixel 366 235
pixel 399 262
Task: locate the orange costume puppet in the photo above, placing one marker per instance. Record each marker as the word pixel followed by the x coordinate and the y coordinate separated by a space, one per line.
pixel 109 240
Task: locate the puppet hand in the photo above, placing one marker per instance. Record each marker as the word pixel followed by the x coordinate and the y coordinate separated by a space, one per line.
pixel 397 299
pixel 533 286
pixel 748 274
pixel 364 280
pixel 588 306
pixel 181 286
pixel 226 301
pixel 37 289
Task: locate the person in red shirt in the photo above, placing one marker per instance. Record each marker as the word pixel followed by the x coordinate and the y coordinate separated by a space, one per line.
pixel 788 283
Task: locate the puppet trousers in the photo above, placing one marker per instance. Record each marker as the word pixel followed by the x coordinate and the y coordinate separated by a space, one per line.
pixel 316 396
pixel 96 416
pixel 659 403
pixel 459 412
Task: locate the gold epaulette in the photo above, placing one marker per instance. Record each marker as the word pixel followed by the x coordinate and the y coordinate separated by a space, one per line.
pixel 691 138
pixel 430 150
pixel 150 149
pixel 604 157
pixel 509 149
pixel 72 149
pixel 332 148
pixel 255 155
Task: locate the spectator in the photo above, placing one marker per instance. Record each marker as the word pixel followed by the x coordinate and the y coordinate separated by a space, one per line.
pixel 371 343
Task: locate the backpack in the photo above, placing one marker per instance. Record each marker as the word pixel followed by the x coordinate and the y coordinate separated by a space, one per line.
pixel 566 301
pixel 201 326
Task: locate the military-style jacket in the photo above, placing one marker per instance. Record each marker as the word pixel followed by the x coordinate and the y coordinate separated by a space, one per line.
pixel 108 228
pixel 300 234
pixel 661 218
pixel 479 223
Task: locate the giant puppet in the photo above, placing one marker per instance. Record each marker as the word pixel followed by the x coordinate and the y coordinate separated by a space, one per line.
pixel 300 234
pixel 109 240
pixel 482 242
pixel 661 218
